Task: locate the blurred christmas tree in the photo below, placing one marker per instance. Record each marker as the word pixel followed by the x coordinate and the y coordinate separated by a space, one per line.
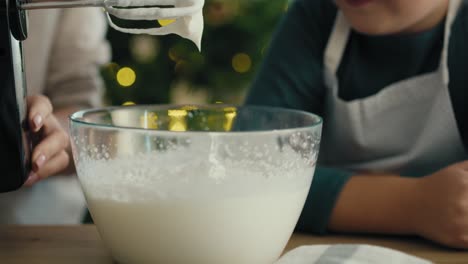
pixel 150 70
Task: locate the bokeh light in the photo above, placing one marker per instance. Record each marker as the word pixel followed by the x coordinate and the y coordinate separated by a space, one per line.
pixel 128 103
pixel 241 63
pixel 178 120
pixel 144 48
pixel 170 69
pixel 165 22
pixel 189 107
pixel 126 77
pixel 230 114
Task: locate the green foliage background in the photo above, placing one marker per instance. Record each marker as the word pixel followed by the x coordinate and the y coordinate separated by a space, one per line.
pixel 161 63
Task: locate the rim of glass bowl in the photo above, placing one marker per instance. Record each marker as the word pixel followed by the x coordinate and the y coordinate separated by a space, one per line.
pixel 77 118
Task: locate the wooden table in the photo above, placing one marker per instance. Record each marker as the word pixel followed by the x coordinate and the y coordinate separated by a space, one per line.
pixel 81 244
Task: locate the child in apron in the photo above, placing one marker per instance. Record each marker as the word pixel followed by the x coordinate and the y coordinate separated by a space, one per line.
pixel 388 78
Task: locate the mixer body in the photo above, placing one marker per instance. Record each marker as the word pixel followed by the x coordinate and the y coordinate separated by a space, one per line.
pixel 15 145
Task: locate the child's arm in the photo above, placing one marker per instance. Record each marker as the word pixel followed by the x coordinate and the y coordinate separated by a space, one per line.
pixel 435 207
pixel 292 76
pixel 49 155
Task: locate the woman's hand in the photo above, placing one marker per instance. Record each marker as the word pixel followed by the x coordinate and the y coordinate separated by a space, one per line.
pixel 443 210
pixel 49 155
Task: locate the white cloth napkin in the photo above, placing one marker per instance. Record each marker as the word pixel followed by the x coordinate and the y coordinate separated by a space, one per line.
pixel 188 16
pixel 348 254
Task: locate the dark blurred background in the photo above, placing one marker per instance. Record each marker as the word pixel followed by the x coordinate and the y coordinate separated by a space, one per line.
pixel 169 69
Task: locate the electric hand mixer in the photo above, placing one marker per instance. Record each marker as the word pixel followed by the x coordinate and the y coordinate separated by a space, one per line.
pixel 15 145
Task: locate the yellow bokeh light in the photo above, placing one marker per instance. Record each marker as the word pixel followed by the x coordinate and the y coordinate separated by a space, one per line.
pixel 178 120
pixel 230 109
pixel 189 107
pixel 128 103
pixel 230 115
pixel 241 63
pixel 177 113
pixel 165 22
pixel 126 77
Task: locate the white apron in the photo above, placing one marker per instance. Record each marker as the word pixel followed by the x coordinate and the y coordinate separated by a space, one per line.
pixel 408 127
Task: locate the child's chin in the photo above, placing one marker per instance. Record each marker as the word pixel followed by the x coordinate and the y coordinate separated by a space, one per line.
pixel 374 29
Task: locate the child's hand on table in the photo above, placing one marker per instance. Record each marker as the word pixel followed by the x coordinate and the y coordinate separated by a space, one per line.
pixel 443 206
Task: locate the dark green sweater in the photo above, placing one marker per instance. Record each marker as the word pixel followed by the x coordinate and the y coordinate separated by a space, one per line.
pixel 291 76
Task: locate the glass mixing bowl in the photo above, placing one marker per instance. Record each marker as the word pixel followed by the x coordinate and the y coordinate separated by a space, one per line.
pixel 195 184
